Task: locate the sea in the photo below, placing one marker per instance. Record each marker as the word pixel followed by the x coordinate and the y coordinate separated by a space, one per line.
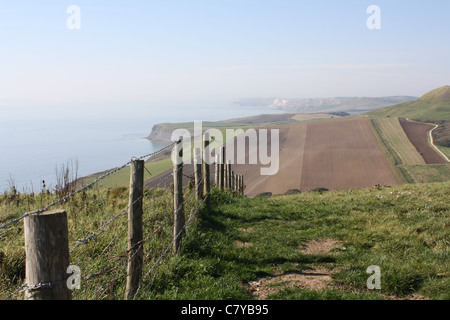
pixel 34 148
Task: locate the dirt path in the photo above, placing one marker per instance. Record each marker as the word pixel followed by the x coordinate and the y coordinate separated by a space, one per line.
pixel 430 135
pixel 418 134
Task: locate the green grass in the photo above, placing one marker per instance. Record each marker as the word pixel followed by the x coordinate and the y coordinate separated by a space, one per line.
pixel 403 230
pixel 103 259
pixel 402 158
pixel 394 132
pixel 122 177
pixel 430 172
pixel 400 229
pixel 433 105
pixel 445 150
pixel 392 156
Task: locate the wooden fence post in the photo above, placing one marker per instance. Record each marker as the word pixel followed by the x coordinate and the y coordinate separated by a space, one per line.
pixel 229 174
pixel 206 169
pixel 240 185
pixel 233 176
pixel 135 231
pixel 198 173
pixel 217 173
pixel 222 169
pixel 179 220
pixel 225 174
pixel 47 255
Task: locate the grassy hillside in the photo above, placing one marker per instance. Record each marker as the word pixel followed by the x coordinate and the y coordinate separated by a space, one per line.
pixel 306 246
pixel 433 105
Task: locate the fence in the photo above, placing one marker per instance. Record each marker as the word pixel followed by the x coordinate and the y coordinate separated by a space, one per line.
pixel 48 274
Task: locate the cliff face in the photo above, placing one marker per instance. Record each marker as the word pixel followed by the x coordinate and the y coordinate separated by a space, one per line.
pixel 160 133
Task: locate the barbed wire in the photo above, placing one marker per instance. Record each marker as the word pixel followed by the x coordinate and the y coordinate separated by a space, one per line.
pixel 101 230
pixel 111 267
pixel 135 249
pixel 64 199
pixel 126 254
pixel 175 238
pixel 41 285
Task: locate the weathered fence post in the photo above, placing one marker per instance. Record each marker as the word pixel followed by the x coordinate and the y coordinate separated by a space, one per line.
pixel 238 184
pixel 206 169
pixel 47 256
pixel 222 168
pixel 198 174
pixel 217 173
pixel 241 187
pixel 135 231
pixel 232 184
pixel 229 175
pixel 179 220
pixel 225 174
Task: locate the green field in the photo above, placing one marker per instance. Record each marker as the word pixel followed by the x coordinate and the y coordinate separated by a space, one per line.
pixel 445 150
pixel 122 177
pixel 429 173
pixel 406 163
pixel 393 131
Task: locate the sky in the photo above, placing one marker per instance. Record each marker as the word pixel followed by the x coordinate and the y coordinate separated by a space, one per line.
pixel 148 51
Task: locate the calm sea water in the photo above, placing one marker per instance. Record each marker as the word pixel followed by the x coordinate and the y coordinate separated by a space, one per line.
pixel 32 148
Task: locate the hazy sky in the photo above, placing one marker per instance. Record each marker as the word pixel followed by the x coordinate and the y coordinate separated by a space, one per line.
pixel 192 50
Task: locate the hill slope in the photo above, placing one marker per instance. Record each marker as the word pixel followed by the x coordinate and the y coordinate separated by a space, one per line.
pixel 432 105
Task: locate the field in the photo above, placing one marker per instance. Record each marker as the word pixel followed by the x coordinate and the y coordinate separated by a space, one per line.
pixel 407 163
pixel 417 133
pixel 394 133
pixel 331 153
pixel 336 154
pixel 445 150
pixel 430 172
pixel 122 178
pixel 341 155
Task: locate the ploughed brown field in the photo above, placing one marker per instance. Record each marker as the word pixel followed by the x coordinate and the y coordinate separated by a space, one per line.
pixel 343 154
pixel 337 154
pixel 417 133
